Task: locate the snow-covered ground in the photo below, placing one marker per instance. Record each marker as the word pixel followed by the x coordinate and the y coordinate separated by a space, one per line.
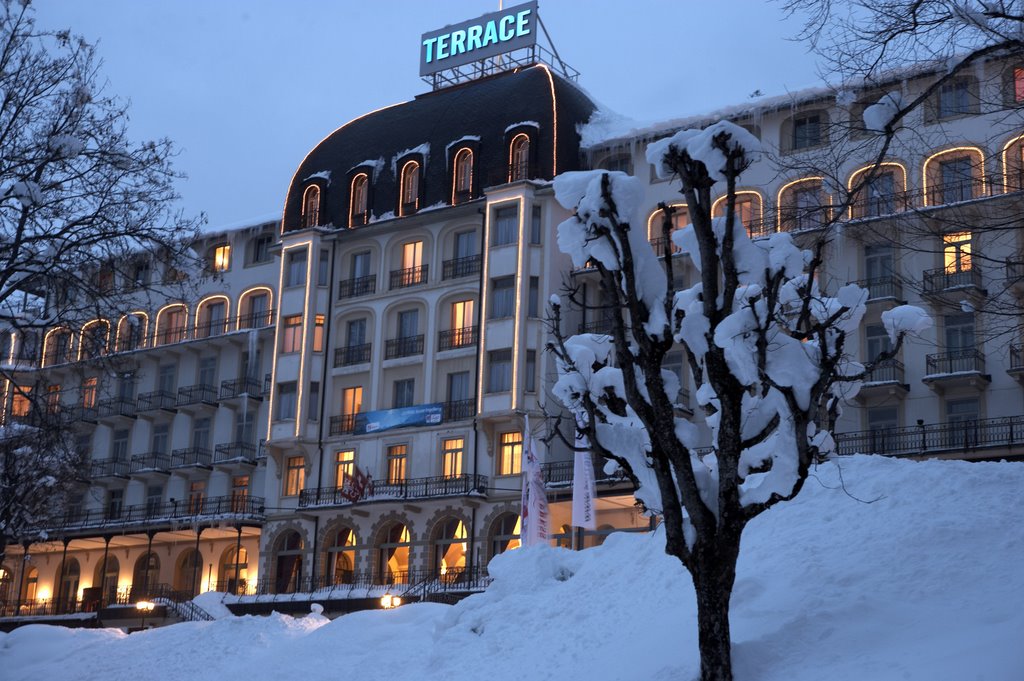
pixel 918 578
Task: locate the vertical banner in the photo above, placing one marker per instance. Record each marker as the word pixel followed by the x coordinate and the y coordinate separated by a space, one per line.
pixel 534 513
pixel 584 486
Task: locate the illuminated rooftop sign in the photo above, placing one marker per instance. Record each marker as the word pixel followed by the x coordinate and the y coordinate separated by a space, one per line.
pixel 487 36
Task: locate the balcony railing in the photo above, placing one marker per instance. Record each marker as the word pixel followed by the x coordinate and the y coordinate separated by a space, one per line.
pixel 410 584
pixel 108 468
pixel 238 387
pixel 416 488
pixel 882 287
pixel 236 505
pixel 458 410
pixel 255 320
pixel 196 394
pixel 598 326
pixel 970 360
pixel 116 407
pixel 358 286
pixel 879 205
pixel 403 347
pixel 411 276
pixel 557 473
pixel 235 451
pixel 155 461
pixel 460 267
pixel 886 371
pixel 157 399
pixel 934 438
pixel 352 354
pixel 343 424
pixel 458 338
pixel 943 279
pixel 191 456
pixel 955 192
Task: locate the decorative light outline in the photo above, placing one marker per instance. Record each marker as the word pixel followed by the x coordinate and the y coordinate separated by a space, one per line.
pixel 305 328
pixel 1006 167
pixel 305 193
pixel 856 173
pixel 14 340
pixel 352 199
pixel 657 211
pixel 199 310
pixel 740 192
pixel 778 197
pixel 455 170
pixel 81 335
pixel 242 297
pixel 554 120
pixel 159 313
pixel 519 286
pixel 924 167
pixel 46 341
pixel 401 188
pixel 145 329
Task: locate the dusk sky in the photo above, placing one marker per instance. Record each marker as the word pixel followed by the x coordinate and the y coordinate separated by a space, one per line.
pixel 246 87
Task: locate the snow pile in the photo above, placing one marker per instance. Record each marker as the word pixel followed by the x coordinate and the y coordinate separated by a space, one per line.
pixel 213 603
pixel 881 113
pixel 916 579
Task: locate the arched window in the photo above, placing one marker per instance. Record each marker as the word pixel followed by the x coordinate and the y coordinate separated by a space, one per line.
pixel 131 331
pixel 212 317
pixel 1013 161
pixel 655 225
pixel 394 555
pixel 171 324
pixel 462 181
pixel 94 339
pixel 341 557
pixel 234 570
pixel 883 194
pixel 145 576
pixel 188 571
pixel 311 206
pixel 357 200
pixel 57 347
pixel 519 158
pixel 505 534
pixel 450 550
pixel 106 577
pixel 69 574
pixel 410 190
pixel 954 175
pixel 803 204
pixel 288 563
pixel 748 209
pixel 255 308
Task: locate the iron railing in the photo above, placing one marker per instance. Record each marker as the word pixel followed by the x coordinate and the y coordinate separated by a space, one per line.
pixel 942 279
pixel 458 410
pixel 352 354
pixel 415 488
pixel 116 406
pixel 460 267
pixel 357 286
pixel 955 362
pixel 886 371
pixel 196 394
pixel 234 451
pixel 405 346
pixel 246 506
pixel 151 461
pixel 934 438
pixel 108 468
pixel 410 276
pixel 450 339
pixel 558 473
pixel 157 399
pixel 599 326
pixel 1016 357
pixel 343 424
pixel 238 387
pixel 191 456
pixel 882 287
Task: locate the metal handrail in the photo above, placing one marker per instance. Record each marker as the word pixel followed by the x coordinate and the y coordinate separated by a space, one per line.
pixel 413 488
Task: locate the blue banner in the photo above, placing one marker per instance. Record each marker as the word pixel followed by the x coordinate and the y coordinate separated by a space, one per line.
pixel 387 419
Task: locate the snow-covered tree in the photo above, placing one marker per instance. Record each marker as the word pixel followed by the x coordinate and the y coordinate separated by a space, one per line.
pixel 766 347
pixel 83 207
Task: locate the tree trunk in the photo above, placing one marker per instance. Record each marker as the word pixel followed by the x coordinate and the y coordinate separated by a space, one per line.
pixel 713 581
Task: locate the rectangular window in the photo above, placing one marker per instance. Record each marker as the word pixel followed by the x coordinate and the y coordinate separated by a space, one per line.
pixel 954 98
pixel 208 371
pixel 313 405
pixel 503 297
pixel 412 255
pixel 295 475
pixel 295 275
pixel 21 403
pixel 360 264
pixel 499 371
pixel 510 456
pixel 291 334
pixel 119 447
pixel 877 341
pixel 451 457
pixel 239 493
pixel 161 438
pixel 533 298
pixel 883 418
pixel 506 226
pixel 352 400
pixel 408 323
pixel 806 131
pixel 196 493
pixel 154 498
pixel 404 390
pixel 956 252
pixel 286 400
pixel 535 225
pixel 52 399
pixel 201 433
pixel 1018 84
pixel 878 262
pixel 396 463
pixel 221 261
pixel 115 502
pixel 959 331
pixel 258 305
pixel 245 427
pixel 344 465
pixel 531 371
pixel 458 386
pixel 355 333
pixel 881 195
pixel 323 267
pixel 318 333
pixel 261 249
pixel 465 245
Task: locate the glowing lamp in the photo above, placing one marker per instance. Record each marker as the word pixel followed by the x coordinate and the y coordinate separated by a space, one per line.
pixel 387 601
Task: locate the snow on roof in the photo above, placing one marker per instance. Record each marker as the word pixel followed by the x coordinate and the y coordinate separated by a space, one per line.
pixel 422 149
pixel 257 221
pixel 322 175
pixel 521 124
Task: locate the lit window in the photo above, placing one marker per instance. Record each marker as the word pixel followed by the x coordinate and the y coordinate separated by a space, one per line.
pixel 295 475
pixel 506 533
pixel 499 374
pixel 88 392
pixel 463 181
pixel 296 273
pixel 506 226
pixel 510 456
pixel 451 457
pixel 396 463
pixel 318 333
pixel 344 466
pixel 221 259
pixel 1018 84
pixel 21 403
pixel 410 188
pixel 352 400
pixel 956 252
pixel 503 297
pixel 357 200
pixel 53 398
pixel 463 329
pixel 291 336
pixel 519 158
pixel 172 326
pixel 311 206
pixel 286 400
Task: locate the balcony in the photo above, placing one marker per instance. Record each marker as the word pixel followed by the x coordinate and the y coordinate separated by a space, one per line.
pixel 1015 276
pixel 199 394
pixel 240 388
pixel 255 320
pixel 415 488
pixel 191 457
pixel 882 288
pixel 356 287
pixel 235 452
pixel 465 337
pixel 411 276
pixel 885 381
pixel 458 410
pixel 561 473
pixel 109 468
pixel 601 327
pixel 879 205
pixel 157 399
pixel 944 279
pixel 956 192
pixel 152 461
pixel 958 368
pixel 343 424
pixel 797 219
pixel 935 439
pixel 117 407
pixel 406 346
pixel 173 513
pixel 352 354
pixel 460 267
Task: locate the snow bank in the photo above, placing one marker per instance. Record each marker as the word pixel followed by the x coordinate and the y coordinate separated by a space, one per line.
pixel 213 603
pixel 915 579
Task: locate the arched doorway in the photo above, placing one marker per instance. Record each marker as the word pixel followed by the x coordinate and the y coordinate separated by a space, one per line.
pixel 67 595
pixel 145 576
pixel 31 585
pixel 450 549
pixel 394 555
pixel 505 534
pixel 234 570
pixel 106 577
pixel 288 563
pixel 7 594
pixel 341 557
pixel 188 571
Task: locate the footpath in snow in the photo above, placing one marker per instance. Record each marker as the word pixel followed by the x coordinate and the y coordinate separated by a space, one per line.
pixel 920 580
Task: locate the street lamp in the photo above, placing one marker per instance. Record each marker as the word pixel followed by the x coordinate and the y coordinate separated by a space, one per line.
pixel 387 601
pixel 145 607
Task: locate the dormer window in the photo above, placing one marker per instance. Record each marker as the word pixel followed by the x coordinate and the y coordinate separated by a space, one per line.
pixel 410 188
pixel 519 158
pixel 463 179
pixel 358 199
pixel 311 206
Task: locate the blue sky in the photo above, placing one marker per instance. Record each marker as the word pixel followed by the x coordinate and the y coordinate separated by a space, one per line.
pixel 246 87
